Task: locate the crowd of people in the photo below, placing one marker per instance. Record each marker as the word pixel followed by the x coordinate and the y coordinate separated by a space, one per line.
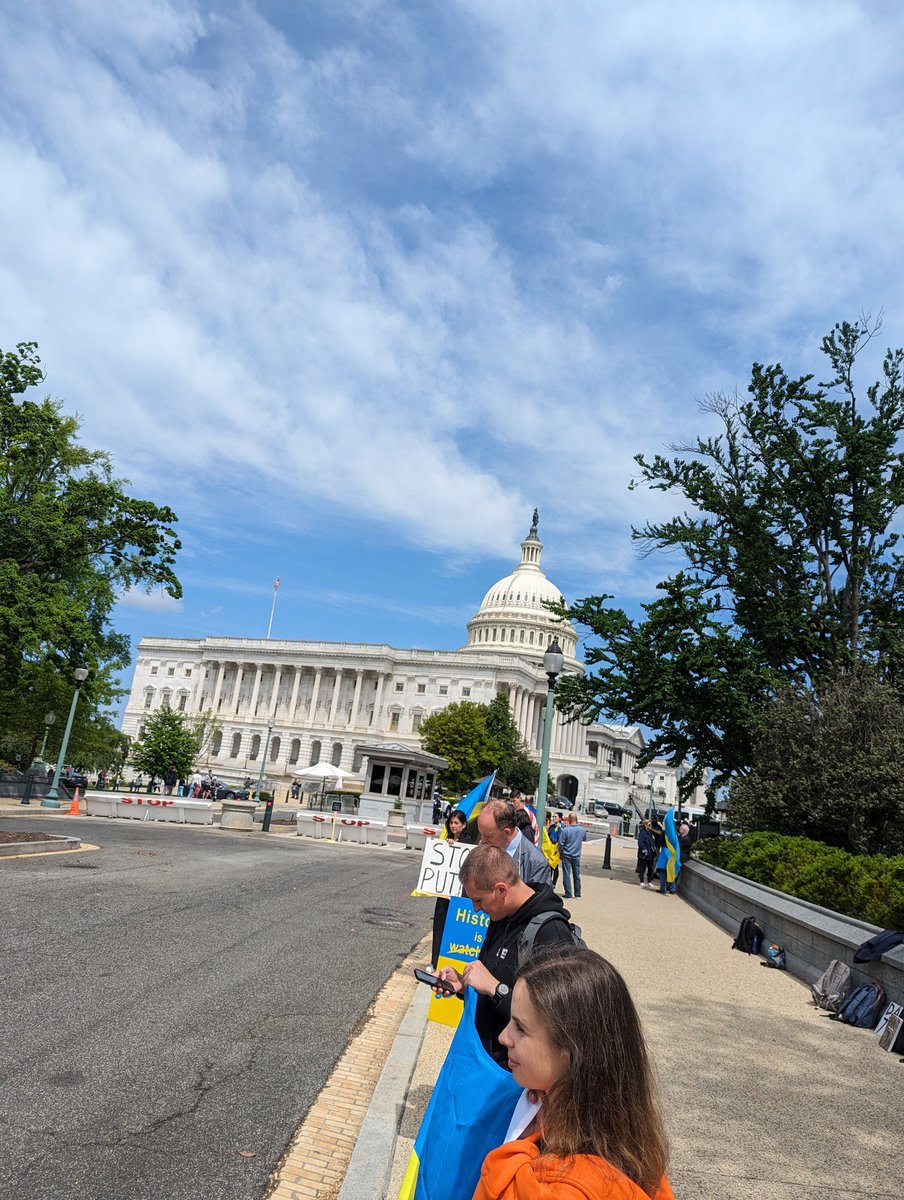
pixel 556 1015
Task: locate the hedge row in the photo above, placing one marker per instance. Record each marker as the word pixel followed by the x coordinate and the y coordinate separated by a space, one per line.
pixel 870 888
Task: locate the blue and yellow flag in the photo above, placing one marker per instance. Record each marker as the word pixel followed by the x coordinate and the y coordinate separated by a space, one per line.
pixel 471 804
pixel 467 1117
pixel 673 862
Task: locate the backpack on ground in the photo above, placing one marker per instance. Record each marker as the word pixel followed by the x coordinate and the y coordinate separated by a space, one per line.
pixel 831 989
pixel 750 936
pixel 863 1006
pixel 775 957
pixel 532 928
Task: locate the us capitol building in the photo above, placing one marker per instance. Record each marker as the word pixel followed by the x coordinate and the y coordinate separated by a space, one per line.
pixel 329 699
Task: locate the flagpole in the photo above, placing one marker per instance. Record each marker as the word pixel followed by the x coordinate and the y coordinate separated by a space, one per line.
pixel 272 607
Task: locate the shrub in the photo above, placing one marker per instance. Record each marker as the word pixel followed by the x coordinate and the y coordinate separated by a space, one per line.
pixel 868 887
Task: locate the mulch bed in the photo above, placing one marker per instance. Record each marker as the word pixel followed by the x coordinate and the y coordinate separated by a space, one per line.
pixel 6 838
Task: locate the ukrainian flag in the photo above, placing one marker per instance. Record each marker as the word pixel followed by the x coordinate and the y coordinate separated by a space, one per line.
pixel 467 1117
pixel 673 862
pixel 471 804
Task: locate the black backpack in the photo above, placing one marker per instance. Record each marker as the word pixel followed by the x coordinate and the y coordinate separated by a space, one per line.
pixel 750 936
pixel 532 928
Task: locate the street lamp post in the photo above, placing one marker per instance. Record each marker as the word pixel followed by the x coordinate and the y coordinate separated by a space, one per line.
pixel 553 661
pixel 49 721
pixel 652 810
pixel 51 800
pixel 38 764
pixel 260 779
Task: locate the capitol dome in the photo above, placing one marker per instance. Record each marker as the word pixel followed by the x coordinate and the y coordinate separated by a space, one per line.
pixel 512 619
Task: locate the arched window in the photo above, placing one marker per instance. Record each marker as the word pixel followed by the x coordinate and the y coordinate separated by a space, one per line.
pixel 294 751
pixel 521 636
pixel 236 745
pixel 315 754
pixel 255 746
pixel 274 749
pixel 336 755
pixel 216 744
pixel 531 637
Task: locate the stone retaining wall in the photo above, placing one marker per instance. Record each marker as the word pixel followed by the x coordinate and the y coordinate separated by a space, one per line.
pixel 811 936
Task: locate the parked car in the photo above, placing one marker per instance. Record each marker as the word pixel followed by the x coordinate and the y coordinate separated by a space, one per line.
pixel 229 791
pixel 614 810
pixel 73 779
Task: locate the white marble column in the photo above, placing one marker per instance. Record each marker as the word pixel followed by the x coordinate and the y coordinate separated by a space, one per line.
pixel 356 699
pixel 218 689
pixel 255 691
pixel 234 704
pixel 293 702
pixel 315 695
pixel 274 693
pixel 334 703
pixel 378 700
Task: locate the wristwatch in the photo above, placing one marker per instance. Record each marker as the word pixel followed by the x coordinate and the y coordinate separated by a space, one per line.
pixel 502 990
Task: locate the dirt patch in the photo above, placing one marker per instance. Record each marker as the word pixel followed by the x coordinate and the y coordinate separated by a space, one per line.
pixel 7 838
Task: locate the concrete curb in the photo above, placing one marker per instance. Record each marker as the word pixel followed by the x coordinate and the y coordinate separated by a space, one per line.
pixel 370 1166
pixel 14 849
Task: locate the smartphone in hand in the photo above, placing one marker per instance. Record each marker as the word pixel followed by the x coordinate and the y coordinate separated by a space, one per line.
pixel 434 981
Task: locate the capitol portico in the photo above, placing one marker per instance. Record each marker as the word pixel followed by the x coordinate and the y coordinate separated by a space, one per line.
pixel 329 699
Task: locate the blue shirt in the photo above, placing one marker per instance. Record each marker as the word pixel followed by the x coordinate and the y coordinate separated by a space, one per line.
pixel 571 838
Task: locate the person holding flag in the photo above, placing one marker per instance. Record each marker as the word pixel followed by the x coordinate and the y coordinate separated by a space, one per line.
pixel 668 864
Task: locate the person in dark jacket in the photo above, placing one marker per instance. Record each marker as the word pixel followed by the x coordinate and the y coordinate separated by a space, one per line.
pixel 646 854
pixel 685 842
pixel 490 880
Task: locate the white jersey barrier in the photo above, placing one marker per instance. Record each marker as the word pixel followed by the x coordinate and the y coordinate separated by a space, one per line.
pixel 178 809
pixel 417 835
pixel 335 827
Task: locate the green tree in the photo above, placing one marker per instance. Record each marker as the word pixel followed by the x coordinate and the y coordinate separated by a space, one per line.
pixel 168 740
pixel 477 739
pixel 790 572
pixel 514 766
pixel 828 767
pixel 459 734
pixel 71 540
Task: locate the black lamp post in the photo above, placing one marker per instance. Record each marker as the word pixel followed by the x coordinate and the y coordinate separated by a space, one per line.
pixel 51 800
pixel 553 661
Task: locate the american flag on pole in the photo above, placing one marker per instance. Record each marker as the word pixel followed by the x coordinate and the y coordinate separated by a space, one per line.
pixel 276 584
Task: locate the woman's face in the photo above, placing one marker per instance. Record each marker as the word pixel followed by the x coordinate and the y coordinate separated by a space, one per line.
pixel 532 1058
pixel 458 826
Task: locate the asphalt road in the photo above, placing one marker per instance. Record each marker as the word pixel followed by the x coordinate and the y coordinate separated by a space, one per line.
pixel 178 997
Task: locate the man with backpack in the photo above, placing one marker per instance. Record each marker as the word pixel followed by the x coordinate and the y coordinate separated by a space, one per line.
pixel 521 916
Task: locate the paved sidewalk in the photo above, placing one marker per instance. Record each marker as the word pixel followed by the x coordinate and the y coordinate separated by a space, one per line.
pixel 765 1097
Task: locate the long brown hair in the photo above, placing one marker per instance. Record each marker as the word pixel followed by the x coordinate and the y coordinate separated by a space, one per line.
pixel 605 1102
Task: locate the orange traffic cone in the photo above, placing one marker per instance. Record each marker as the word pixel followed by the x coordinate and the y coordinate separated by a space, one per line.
pixel 73 807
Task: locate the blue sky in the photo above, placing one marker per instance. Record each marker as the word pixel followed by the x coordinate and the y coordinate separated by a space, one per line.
pixel 354 286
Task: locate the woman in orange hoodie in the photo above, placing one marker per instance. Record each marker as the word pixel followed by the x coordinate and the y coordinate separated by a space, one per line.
pixel 575 1039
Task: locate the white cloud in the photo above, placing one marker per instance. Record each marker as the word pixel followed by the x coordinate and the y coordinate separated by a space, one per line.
pixel 155 601
pixel 432 273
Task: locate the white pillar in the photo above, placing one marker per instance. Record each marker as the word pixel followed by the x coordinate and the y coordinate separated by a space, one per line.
pixel 234 704
pixel 356 699
pixel 378 700
pixel 334 704
pixel 293 703
pixel 218 689
pixel 274 694
pixel 315 694
pixel 255 690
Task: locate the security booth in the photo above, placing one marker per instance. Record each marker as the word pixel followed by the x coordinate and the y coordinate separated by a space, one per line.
pixel 399 777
